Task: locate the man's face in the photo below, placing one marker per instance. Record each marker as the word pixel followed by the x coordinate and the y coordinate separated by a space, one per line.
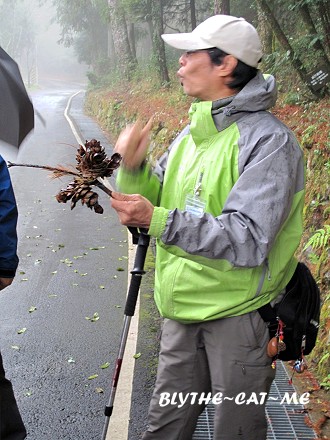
pixel 199 76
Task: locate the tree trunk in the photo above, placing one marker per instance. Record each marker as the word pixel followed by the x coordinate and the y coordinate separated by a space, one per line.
pixel 222 7
pixel 158 42
pixel 193 14
pixel 111 48
pixel 295 61
pixel 306 16
pixel 324 14
pixel 131 37
pixel 265 32
pixel 125 60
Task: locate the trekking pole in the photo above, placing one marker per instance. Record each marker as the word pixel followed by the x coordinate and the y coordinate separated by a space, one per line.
pixel 140 238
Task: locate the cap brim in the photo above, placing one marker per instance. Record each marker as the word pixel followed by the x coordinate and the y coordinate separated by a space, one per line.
pixel 185 41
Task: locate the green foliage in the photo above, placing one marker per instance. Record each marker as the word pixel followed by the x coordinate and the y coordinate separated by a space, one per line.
pixel 84 26
pixel 326 383
pixel 320 240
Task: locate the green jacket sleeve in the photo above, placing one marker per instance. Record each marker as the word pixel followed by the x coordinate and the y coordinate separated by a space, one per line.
pixel 141 182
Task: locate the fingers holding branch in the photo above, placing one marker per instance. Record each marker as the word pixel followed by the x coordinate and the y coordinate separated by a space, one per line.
pixel 132 209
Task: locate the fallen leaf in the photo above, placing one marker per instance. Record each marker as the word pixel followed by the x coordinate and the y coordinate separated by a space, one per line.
pixel 99 390
pixel 93 376
pixel 22 330
pixel 105 365
pixel 94 318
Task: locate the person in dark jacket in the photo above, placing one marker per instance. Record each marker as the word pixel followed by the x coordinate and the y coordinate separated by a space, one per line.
pixel 11 424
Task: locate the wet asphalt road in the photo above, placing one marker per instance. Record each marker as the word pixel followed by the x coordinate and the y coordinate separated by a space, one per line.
pixel 73 264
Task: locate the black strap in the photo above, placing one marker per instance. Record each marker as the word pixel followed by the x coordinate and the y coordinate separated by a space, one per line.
pixel 269 316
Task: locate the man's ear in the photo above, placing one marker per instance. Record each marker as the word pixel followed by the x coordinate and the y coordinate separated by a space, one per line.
pixel 228 65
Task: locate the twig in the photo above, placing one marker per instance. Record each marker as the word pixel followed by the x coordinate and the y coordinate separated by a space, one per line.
pixel 43 167
pixel 103 187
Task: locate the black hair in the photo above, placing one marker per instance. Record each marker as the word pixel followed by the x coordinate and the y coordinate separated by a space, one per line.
pixel 242 73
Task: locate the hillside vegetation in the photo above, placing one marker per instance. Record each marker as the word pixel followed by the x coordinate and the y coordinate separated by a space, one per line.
pixel 114 107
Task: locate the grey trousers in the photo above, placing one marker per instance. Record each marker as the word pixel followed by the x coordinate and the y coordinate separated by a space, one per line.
pixel 224 360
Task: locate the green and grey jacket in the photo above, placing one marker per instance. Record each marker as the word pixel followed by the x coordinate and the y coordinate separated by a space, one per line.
pixel 248 170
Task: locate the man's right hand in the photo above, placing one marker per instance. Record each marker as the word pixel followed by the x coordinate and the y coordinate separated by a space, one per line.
pixel 132 144
pixel 5 282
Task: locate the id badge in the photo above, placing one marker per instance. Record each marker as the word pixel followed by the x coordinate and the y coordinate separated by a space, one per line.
pixel 195 205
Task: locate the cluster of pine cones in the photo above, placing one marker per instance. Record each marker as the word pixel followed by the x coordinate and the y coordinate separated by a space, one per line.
pixel 93 162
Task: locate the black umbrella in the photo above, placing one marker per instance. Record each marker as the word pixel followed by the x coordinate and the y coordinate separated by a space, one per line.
pixel 16 109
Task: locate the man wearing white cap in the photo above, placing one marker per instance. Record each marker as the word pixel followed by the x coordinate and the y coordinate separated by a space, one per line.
pixel 225 206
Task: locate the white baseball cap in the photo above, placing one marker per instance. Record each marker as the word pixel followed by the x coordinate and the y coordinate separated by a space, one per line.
pixel 232 35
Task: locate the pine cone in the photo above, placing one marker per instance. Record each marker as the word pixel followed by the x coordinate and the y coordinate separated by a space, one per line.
pixel 80 191
pixel 92 164
pixel 93 161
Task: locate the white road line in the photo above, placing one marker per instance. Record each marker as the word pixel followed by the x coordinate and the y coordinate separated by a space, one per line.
pixel 70 121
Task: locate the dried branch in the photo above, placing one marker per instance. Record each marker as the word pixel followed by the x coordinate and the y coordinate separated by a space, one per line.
pixel 92 164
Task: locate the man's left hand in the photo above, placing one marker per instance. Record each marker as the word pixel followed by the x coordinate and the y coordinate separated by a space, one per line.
pixel 132 209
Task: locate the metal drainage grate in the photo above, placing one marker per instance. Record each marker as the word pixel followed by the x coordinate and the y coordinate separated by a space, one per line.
pixel 285 421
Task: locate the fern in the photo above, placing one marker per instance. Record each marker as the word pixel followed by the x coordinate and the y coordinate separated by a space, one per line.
pixel 320 239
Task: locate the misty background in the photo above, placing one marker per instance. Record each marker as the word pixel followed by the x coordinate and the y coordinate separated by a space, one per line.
pixel 30 34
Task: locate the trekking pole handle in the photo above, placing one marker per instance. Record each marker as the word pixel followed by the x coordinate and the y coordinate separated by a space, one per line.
pixel 137 271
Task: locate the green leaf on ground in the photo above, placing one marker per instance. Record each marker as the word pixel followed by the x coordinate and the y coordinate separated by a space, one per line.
pixel 94 318
pixel 21 331
pixel 93 376
pixel 105 365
